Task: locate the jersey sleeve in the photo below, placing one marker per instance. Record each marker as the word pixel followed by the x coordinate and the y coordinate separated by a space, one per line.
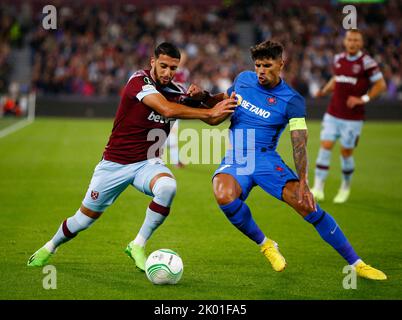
pixel 232 87
pixel 372 69
pixel 296 107
pixel 296 113
pixel 139 87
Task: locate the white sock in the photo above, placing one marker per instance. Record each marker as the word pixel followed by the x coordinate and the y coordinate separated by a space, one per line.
pixel 318 184
pixel 50 246
pixel 345 185
pixel 73 224
pixel 152 221
pixel 357 262
pixel 140 240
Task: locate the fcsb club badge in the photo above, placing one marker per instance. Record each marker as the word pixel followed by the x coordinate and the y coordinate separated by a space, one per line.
pixel 271 100
pixel 94 195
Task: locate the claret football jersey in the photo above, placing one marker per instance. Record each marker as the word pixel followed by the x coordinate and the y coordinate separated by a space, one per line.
pixel 130 139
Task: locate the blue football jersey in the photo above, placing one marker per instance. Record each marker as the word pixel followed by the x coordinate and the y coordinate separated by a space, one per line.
pixel 262 113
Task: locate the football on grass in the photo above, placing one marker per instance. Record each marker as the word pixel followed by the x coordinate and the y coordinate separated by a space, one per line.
pixel 164 266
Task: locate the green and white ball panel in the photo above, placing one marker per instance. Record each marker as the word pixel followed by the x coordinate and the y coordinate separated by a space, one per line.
pixel 164 266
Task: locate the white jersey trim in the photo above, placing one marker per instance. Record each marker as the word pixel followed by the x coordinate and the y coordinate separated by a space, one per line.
pixel 369 62
pixel 146 90
pixel 375 77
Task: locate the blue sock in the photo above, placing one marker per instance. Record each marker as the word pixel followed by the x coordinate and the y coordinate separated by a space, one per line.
pixel 239 215
pixel 330 231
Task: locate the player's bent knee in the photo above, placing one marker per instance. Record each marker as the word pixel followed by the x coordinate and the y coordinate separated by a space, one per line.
pixel 224 192
pixel 224 198
pixel 346 153
pixel 165 189
pixel 90 213
pixel 327 144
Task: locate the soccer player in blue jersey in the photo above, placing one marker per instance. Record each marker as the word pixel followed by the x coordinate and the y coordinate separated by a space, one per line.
pixel 266 104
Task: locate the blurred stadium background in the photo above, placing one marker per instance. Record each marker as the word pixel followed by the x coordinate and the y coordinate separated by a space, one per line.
pixel 79 70
pixel 96 47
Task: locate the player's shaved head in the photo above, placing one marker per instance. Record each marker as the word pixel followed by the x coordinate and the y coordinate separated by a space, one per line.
pixel 353 41
pixel 355 31
pixel 267 50
pixel 167 49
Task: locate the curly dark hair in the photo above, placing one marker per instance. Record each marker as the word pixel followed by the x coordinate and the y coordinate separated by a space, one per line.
pixel 267 50
pixel 168 49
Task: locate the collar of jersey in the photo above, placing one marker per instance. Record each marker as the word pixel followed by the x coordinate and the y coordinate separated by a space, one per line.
pixel 265 89
pixel 355 57
pixel 172 87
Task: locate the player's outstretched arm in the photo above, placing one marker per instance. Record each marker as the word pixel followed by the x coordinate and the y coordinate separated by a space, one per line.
pixel 219 120
pixel 328 88
pixel 205 97
pixel 169 109
pixel 195 92
pixel 299 144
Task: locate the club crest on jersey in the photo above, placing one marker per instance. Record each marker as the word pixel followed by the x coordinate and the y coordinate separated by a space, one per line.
pixel 94 195
pixel 271 100
pixel 356 68
pixel 147 80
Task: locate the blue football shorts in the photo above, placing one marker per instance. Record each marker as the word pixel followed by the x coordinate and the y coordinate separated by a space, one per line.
pixel 110 179
pixel 270 173
pixel 348 131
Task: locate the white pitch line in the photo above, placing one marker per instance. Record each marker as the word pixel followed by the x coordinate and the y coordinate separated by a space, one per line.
pixel 14 127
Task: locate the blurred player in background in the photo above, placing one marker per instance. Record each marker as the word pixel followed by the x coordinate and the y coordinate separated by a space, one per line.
pixel 172 141
pixel 266 105
pixel 354 72
pixel 131 157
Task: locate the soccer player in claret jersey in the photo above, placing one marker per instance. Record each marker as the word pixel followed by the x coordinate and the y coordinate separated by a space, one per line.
pixel 149 102
pixel 266 105
pixel 354 72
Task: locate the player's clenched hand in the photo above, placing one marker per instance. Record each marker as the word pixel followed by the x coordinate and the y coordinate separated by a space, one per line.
pixel 224 107
pixel 196 92
pixel 353 101
pixel 305 197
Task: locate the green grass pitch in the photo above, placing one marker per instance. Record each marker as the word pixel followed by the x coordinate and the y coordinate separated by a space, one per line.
pixel 46 167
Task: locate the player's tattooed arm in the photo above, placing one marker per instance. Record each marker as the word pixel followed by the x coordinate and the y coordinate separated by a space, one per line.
pixel 299 144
